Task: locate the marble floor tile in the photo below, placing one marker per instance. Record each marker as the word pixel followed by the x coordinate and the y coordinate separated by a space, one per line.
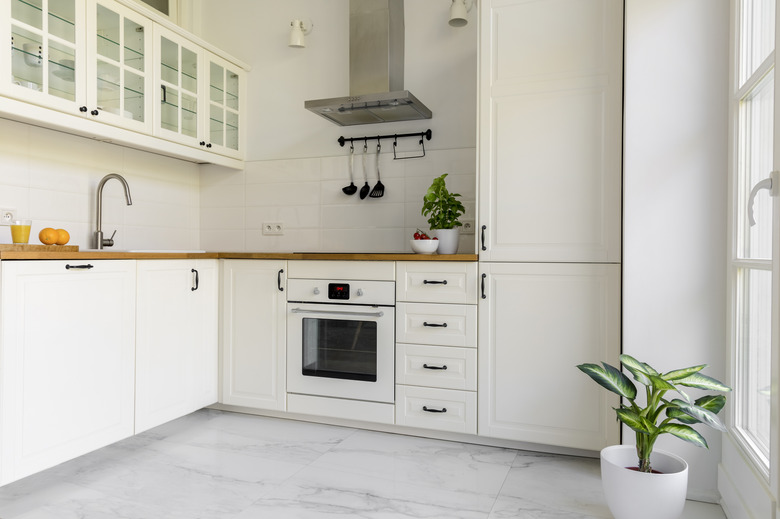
pixel 218 465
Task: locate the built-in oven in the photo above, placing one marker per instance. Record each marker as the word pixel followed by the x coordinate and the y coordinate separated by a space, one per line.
pixel 341 339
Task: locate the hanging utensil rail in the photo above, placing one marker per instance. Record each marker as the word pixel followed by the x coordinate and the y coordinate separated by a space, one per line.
pixel 422 136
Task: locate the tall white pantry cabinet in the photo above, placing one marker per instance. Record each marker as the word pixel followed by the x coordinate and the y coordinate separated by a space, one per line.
pixel 550 120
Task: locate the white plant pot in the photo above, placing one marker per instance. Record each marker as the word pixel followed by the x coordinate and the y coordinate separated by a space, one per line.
pixel 448 240
pixel 637 495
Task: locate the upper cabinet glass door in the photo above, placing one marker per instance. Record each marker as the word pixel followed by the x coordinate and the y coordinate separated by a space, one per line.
pixel 179 88
pixel 120 66
pixel 224 103
pixel 46 56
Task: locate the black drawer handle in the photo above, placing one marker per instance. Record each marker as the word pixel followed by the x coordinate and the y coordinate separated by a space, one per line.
pixel 79 267
pixel 484 296
pixel 197 280
pixel 434 325
pixel 484 227
pixel 444 367
pixel 426 282
pixel 279 280
pixel 430 410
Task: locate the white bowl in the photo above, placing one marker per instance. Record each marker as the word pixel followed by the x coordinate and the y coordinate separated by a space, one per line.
pixel 424 246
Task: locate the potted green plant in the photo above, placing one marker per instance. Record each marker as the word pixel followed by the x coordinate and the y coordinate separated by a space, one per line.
pixel 659 474
pixel 443 209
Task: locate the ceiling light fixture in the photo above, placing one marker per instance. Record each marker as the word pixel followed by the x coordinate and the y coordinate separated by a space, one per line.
pixel 458 11
pixel 298 30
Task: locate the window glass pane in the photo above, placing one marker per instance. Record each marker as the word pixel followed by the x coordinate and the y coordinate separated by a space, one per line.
pixel 757 35
pixel 62 19
pixel 107 33
pixel 754 367
pixel 756 121
pixel 134 45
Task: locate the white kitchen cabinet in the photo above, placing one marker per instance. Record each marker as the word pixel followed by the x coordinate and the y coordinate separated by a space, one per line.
pixel 66 360
pixel 79 65
pixel 253 333
pixel 436 341
pixel 89 59
pixel 200 95
pixel 550 119
pixel 177 339
pixel 536 323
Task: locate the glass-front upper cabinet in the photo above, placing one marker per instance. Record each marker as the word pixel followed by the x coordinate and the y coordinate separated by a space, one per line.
pixel 179 74
pixel 120 66
pixel 226 87
pixel 46 60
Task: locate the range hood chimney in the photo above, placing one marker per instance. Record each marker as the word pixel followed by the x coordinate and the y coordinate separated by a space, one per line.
pixel 376 69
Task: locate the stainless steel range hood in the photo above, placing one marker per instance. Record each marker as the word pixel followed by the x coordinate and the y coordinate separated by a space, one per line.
pixel 376 69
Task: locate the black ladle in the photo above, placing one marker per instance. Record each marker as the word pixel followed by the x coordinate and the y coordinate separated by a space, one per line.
pixel 351 189
pixel 366 188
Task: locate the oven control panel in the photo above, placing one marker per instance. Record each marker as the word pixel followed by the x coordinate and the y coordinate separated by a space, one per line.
pixel 338 291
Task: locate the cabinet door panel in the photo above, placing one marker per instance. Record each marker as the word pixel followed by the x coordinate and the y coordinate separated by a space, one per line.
pixel 68 341
pixel 536 324
pixel 253 334
pixel 551 107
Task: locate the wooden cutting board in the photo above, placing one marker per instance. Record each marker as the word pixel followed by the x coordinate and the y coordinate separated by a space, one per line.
pixel 28 247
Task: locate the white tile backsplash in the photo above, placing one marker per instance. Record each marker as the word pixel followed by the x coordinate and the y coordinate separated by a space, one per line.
pixel 52 177
pixel 305 195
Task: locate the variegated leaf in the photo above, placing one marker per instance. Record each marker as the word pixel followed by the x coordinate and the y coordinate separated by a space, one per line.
pixel 631 419
pixel 682 373
pixel 686 433
pixel 700 381
pixel 701 414
pixel 661 384
pixel 675 413
pixel 610 378
pixel 712 403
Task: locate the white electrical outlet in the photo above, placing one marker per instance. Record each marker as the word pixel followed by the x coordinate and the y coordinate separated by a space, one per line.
pixel 6 216
pixel 467 227
pixel 273 228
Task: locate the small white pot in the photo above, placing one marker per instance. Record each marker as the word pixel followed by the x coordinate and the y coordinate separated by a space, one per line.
pixel 637 495
pixel 448 240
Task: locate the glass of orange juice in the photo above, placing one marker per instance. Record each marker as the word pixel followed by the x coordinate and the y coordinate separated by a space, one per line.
pixel 20 231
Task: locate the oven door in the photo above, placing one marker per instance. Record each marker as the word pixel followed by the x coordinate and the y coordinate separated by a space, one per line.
pixel 342 351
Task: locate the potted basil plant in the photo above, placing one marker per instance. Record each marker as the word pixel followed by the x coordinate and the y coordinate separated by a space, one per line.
pixel 443 210
pixel 657 485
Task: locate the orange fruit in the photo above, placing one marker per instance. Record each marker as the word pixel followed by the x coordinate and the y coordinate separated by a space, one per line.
pixel 62 237
pixel 48 236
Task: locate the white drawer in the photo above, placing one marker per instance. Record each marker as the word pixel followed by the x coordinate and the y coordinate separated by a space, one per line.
pixel 436 282
pixel 441 409
pixel 436 366
pixel 444 325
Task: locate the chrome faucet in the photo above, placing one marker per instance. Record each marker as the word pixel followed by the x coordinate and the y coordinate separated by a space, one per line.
pixel 100 242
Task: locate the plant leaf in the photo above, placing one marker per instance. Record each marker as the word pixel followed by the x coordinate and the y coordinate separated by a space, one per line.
pixel 712 403
pixel 678 374
pixel 633 420
pixel 660 383
pixel 632 364
pixel 676 414
pixel 611 379
pixel 703 415
pixel 685 432
pixel 700 381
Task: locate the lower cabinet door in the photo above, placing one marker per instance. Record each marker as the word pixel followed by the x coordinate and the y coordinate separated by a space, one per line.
pixel 440 409
pixel 253 336
pixel 176 357
pixel 536 323
pixel 66 376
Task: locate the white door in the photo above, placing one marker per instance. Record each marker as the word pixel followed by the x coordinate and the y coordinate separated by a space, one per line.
pixel 66 376
pixel 176 352
pixel 226 94
pixel 748 479
pixel 550 119
pixel 536 323
pixel 253 336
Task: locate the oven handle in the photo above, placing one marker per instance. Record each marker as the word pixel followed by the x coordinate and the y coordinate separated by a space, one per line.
pixel 332 312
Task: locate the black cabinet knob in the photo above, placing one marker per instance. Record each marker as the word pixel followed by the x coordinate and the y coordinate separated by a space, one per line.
pixel 202 143
pixel 208 145
pixel 94 112
pixel 82 109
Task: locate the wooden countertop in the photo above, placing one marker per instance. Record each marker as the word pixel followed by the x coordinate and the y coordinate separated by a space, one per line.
pixel 95 255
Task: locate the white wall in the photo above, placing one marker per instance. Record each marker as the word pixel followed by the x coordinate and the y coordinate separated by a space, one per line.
pixel 296 169
pixel 675 181
pixel 52 178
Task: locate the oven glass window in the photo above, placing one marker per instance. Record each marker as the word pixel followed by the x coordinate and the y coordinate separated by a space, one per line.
pixel 339 349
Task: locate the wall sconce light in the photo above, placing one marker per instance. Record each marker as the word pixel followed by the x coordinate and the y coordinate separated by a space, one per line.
pixel 458 11
pixel 298 29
